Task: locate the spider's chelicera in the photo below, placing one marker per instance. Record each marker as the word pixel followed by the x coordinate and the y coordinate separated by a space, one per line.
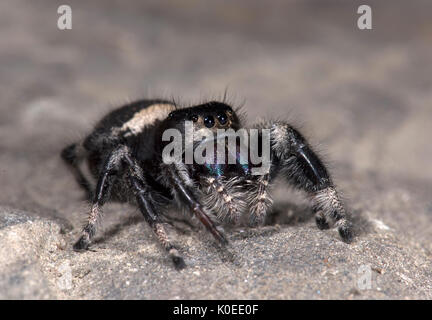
pixel 155 154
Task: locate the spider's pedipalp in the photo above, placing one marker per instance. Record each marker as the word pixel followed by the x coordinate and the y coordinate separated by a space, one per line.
pixel 224 197
pixel 259 200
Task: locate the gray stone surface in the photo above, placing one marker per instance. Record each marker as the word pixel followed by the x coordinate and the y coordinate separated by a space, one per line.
pixel 363 97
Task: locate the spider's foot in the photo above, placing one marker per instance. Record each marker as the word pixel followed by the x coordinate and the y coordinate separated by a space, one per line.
pixel 345 231
pixel 177 259
pixel 82 244
pixel 321 221
pixel 179 263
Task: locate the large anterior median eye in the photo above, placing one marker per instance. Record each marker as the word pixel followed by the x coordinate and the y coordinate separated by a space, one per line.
pixel 209 121
pixel 222 118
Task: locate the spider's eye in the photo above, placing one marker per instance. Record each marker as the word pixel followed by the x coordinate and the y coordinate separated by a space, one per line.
pixel 209 121
pixel 194 118
pixel 170 115
pixel 222 118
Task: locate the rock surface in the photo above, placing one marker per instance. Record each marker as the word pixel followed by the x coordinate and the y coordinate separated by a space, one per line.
pixel 364 96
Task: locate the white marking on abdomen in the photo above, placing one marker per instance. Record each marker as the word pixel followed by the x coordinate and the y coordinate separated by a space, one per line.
pixel 144 118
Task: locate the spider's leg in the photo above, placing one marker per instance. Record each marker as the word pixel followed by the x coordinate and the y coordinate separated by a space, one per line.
pixel 259 199
pixel 73 155
pixel 147 205
pixel 103 187
pixel 304 169
pixel 180 180
pixel 148 210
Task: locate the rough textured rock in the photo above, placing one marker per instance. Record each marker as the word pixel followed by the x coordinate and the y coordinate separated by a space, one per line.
pixel 28 247
pixel 363 96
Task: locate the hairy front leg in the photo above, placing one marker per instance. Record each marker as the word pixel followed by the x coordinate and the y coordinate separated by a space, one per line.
pixel 304 169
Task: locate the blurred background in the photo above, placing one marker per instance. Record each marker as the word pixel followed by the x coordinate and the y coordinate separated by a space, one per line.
pixel 362 96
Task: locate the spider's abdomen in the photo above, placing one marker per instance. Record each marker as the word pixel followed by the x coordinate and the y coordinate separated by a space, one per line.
pixel 129 120
pixel 132 125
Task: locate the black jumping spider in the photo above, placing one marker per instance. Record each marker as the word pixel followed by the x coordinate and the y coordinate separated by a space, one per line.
pixel 124 154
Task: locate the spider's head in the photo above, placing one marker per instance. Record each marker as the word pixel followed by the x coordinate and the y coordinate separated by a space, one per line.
pixel 199 125
pixel 211 115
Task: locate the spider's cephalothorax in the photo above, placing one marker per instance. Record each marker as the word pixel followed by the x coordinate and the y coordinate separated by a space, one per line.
pixel 124 155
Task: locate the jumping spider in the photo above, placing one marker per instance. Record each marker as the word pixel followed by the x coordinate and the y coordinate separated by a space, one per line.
pixel 124 156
